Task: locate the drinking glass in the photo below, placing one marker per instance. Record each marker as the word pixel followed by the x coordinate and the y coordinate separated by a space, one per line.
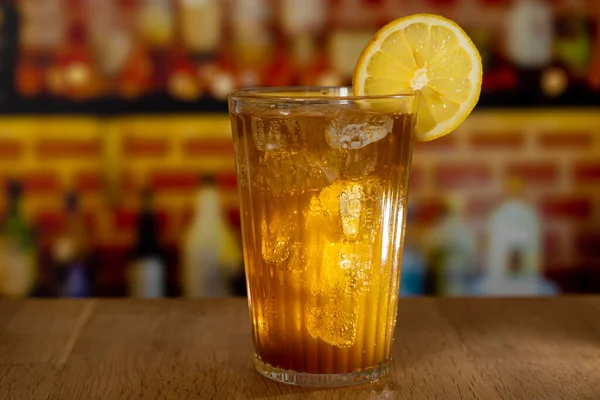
pixel 323 181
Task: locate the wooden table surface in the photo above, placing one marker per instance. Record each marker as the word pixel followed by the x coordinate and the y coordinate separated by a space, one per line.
pixel 179 349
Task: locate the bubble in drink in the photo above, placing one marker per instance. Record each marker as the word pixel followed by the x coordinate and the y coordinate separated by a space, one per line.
pixel 351 200
pixel 332 319
pixel 346 266
pixel 276 236
pixel 276 133
pixel 359 163
pixel 355 129
pixel 345 270
pixel 266 316
pixel 290 172
pixel 355 204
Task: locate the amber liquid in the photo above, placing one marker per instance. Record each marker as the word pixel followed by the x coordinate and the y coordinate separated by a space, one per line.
pixel 323 215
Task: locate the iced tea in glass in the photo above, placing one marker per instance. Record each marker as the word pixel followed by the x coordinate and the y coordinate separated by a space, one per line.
pixel 323 180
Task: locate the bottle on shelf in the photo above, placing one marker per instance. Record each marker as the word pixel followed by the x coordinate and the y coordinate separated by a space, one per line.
pixel 137 71
pixel 512 262
pixel 499 75
pixel 8 50
pixel 565 78
pixel 182 76
pixel 201 27
pixel 211 254
pixel 70 252
pixel 118 55
pixel 593 77
pixel 127 58
pixel 42 33
pixel 18 255
pixel 252 39
pixel 156 23
pixel 78 71
pixel 304 24
pixel 529 44
pixel 412 280
pixel 156 32
pixel 146 271
pixel 454 251
pixel 218 78
pixel 573 45
pixel 200 37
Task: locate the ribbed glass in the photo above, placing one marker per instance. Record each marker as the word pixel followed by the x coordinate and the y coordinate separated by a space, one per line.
pixel 323 180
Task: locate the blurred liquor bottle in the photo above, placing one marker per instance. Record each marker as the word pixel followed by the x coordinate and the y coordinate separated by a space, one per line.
pixel 574 42
pixel 454 252
pixel 529 44
pixel 594 73
pixel 156 29
pixel 201 27
pixel 79 74
pixel 155 22
pixel 70 252
pixel 513 259
pixel 110 43
pixel 42 26
pixel 8 49
pixel 412 280
pixel 200 36
pixel 132 62
pixel 572 53
pixel 211 254
pixel 218 78
pixel 252 39
pixel 499 75
pixel 18 258
pixel 304 25
pixel 344 43
pixel 182 74
pixel 146 271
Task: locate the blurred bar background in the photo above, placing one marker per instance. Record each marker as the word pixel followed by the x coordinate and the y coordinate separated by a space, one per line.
pixel 116 151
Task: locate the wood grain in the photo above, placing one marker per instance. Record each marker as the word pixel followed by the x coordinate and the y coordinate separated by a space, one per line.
pixel 179 349
pixel 26 381
pixel 7 310
pixel 41 331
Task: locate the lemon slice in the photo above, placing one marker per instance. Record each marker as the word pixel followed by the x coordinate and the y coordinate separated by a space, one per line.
pixel 430 55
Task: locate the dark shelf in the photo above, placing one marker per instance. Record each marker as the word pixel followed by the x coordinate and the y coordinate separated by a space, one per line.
pixel 163 104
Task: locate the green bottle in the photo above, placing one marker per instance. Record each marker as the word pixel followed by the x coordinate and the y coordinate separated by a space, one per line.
pixel 17 248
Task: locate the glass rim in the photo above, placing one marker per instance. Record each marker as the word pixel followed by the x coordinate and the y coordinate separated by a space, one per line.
pixel 282 94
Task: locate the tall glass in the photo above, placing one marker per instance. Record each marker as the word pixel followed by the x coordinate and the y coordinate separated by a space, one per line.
pixel 323 180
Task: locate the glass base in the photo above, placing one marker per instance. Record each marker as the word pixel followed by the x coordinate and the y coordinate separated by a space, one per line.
pixel 304 379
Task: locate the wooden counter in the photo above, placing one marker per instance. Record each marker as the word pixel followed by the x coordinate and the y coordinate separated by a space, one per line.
pixel 176 349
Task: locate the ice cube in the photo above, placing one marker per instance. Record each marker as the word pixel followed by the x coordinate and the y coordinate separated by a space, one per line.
pixel 347 267
pixel 276 230
pixel 319 230
pixel 291 172
pixel 266 314
pixel 359 163
pixel 276 133
pixel 344 273
pixel 349 164
pixel 338 271
pixel 356 204
pixel 333 319
pixel 280 246
pixel 355 129
pixel 351 204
